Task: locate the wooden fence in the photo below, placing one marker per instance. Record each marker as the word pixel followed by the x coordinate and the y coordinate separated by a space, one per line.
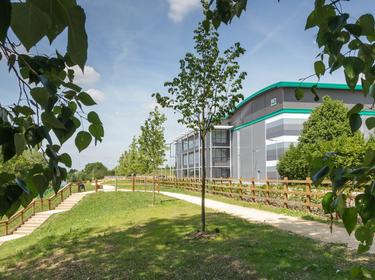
pixel 292 194
pixel 37 205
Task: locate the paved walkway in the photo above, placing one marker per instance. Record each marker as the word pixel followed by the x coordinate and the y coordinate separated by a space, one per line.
pixel 311 229
pixel 39 218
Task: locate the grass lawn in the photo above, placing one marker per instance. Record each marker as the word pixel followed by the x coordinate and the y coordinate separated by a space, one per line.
pixel 121 236
pixel 290 212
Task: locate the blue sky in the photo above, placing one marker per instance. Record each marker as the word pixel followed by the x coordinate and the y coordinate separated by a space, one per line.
pixel 135 45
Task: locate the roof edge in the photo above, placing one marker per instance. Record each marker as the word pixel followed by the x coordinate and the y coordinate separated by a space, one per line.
pixel 284 84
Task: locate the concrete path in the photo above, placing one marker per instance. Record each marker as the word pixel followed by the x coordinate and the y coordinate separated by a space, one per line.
pixel 311 229
pixel 39 218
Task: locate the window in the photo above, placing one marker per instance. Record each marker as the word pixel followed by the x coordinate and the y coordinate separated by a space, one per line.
pixel 220 137
pixel 185 145
pixel 220 156
pixel 191 142
pixel 221 172
pixel 185 160
pixel 191 159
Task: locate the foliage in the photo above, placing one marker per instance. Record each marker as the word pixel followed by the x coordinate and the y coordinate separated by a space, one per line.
pixel 22 164
pixel 293 164
pixel 326 122
pixel 151 141
pixel 327 131
pixel 50 105
pixel 131 162
pixel 206 89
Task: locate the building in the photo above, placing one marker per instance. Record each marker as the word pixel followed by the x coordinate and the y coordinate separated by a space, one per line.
pixel 250 142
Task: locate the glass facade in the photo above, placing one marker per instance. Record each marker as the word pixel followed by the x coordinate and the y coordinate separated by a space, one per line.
pixel 188 155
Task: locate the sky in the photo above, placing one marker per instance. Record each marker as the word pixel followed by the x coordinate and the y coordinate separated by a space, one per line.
pixel 135 46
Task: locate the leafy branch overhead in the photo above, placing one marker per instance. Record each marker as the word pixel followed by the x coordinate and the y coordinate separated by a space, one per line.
pixel 50 105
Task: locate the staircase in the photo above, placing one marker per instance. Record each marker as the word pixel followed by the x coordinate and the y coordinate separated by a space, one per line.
pixel 39 218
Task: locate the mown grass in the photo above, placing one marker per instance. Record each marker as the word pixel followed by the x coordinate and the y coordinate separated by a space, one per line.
pixel 121 236
pixel 290 212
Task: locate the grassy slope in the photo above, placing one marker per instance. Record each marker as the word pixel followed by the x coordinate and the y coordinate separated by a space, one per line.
pixel 120 236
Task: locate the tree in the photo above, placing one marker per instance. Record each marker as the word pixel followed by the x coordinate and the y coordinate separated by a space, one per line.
pixel 95 170
pixel 152 143
pixel 293 164
pixel 130 162
pixel 206 89
pixel 326 131
pixel 50 105
pixel 346 44
pixel 22 164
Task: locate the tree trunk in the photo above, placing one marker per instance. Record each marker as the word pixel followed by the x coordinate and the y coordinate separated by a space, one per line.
pixel 203 181
pixel 153 192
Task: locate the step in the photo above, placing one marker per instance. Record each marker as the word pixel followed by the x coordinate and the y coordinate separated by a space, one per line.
pixel 23 231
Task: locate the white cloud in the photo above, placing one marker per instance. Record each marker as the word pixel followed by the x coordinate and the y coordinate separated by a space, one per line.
pixel 96 94
pixel 89 78
pixel 179 8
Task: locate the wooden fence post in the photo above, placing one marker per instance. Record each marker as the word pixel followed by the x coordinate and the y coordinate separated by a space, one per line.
pixel 70 189
pixel 285 193
pixel 22 218
pixel 268 191
pixel 49 204
pixel 62 196
pixel 6 228
pixel 308 194
pixel 241 197
pixel 41 203
pixel 133 183
pixel 253 189
pixel 34 208
pixel 96 185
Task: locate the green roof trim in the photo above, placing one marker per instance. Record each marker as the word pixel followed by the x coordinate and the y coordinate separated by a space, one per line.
pixel 288 110
pixel 295 85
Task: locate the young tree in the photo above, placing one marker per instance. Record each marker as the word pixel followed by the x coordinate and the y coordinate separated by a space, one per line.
pixel 130 162
pixel 206 89
pixel 152 143
pixel 48 101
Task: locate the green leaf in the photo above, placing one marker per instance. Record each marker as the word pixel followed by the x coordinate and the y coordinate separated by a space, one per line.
pixel 367 24
pixel 93 117
pixel 355 121
pixel 38 183
pixel 327 202
pixel 83 140
pixel 312 20
pixel 86 99
pixel 41 96
pixel 97 131
pixel 355 109
pixel 299 93
pixel 77 37
pixel 340 203
pixel 65 159
pixel 19 143
pixel 370 122
pixel 349 219
pixel 355 29
pixel 29 23
pixel 320 175
pixel 5 15
pixel 319 68
pixel 51 121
